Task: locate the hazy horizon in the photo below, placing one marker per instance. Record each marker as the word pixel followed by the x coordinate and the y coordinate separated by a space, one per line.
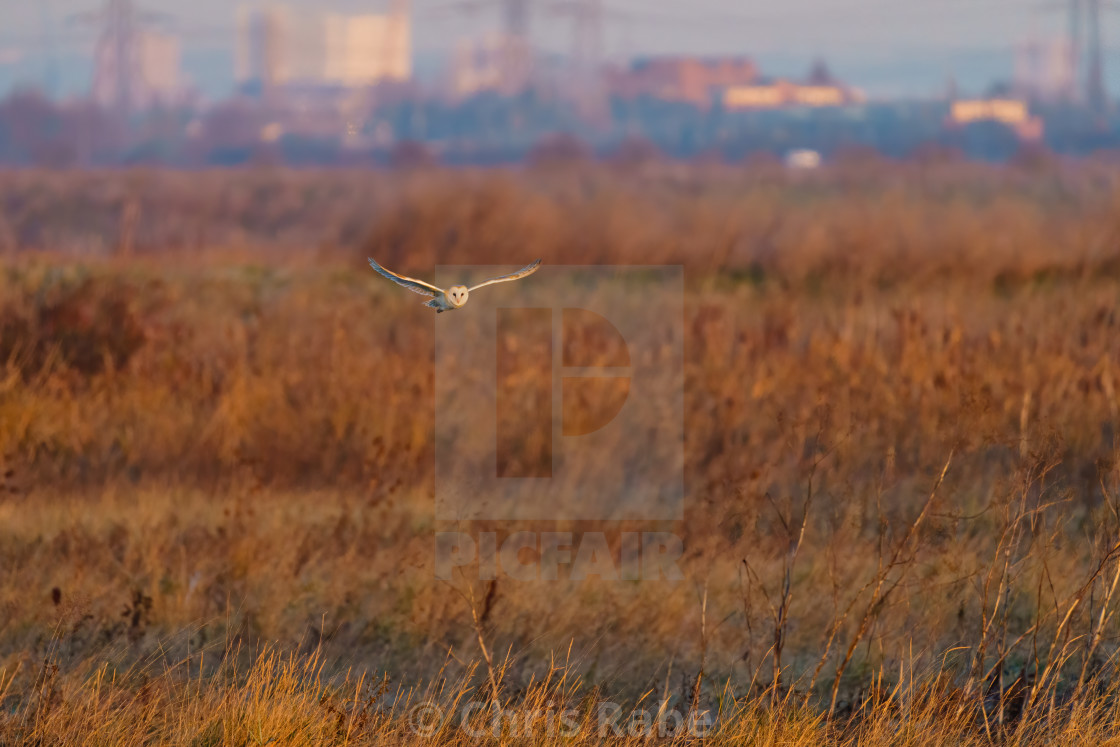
pixel 888 49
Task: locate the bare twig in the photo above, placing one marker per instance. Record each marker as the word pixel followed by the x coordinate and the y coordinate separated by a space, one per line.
pixel 879 595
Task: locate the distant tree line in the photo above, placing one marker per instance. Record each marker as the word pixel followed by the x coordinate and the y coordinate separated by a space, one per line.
pixel 490 130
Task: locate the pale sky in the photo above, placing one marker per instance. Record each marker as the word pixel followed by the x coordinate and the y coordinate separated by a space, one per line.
pixel 880 40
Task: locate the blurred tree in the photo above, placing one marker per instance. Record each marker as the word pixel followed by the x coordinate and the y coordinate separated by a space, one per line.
pixel 635 152
pixel 411 154
pixel 934 153
pixel 231 125
pixel 856 155
pixel 28 122
pixel 1034 157
pixel 558 150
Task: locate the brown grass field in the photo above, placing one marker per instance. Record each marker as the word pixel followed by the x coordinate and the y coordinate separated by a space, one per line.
pixel 902 518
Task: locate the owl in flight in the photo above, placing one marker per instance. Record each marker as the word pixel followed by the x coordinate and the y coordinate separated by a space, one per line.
pixel 454 297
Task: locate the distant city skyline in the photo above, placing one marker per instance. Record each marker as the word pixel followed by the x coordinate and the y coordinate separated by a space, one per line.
pixel 888 47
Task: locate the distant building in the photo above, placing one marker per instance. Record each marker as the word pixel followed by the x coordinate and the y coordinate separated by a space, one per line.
pixel 783 93
pixel 803 159
pixel 367 49
pixel 279 46
pixel 685 79
pixel 1011 112
pixel 1008 111
pixel 820 89
pixel 159 66
pixel 304 46
pixel 263 41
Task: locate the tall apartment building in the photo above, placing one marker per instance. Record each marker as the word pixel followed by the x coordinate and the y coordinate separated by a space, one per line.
pixel 366 49
pixel 278 46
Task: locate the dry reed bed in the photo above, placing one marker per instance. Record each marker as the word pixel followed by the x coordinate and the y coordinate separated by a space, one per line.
pixel 207 452
pixel 268 698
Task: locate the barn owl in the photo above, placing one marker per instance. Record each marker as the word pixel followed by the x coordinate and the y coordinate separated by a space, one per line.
pixel 454 297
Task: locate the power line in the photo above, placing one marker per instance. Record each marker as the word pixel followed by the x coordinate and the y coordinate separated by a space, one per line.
pixel 1085 21
pixel 50 64
pixel 118 65
pixel 1094 85
pixel 832 12
pixel 514 52
pixel 1074 32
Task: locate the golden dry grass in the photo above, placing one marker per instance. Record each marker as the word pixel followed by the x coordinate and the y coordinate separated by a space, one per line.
pixel 217 521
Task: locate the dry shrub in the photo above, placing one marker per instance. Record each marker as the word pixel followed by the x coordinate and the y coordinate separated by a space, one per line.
pixel 70 322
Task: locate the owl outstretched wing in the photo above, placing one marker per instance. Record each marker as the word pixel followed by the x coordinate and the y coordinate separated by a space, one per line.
pixel 414 285
pixel 523 272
